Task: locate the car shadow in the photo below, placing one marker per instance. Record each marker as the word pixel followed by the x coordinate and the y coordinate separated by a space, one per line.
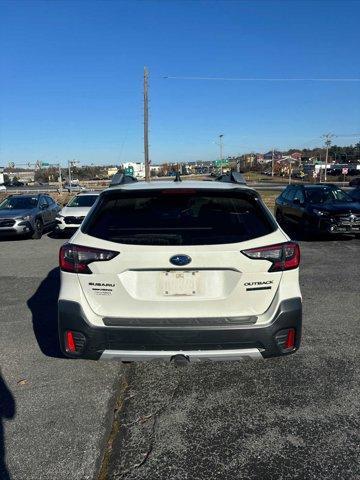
pixel 7 411
pixel 59 235
pixel 43 306
pixel 12 238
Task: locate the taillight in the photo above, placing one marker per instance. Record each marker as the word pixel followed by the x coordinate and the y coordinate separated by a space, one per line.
pixel 283 256
pixel 76 258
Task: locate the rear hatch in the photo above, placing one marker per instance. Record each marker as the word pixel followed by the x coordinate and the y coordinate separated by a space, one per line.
pixel 180 254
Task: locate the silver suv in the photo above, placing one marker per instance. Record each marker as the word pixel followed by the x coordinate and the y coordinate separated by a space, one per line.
pixel 27 215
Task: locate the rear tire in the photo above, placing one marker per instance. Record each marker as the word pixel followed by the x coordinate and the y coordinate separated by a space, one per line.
pixel 279 218
pixel 38 229
pixel 304 229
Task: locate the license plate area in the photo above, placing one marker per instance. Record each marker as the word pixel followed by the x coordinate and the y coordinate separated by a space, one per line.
pixel 179 283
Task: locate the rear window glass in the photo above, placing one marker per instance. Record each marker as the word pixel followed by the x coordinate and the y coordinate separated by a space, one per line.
pixel 327 195
pixel 171 217
pixel 83 201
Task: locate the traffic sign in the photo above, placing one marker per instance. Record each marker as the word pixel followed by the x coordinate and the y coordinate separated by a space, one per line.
pixel 129 170
pixel 224 163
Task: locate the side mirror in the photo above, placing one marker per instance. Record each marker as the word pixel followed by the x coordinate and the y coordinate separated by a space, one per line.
pixel 44 206
pixel 296 201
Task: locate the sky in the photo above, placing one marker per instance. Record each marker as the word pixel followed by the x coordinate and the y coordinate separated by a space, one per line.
pixel 71 76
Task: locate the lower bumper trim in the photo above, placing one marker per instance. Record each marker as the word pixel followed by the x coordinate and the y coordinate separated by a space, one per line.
pixel 150 342
pixel 191 355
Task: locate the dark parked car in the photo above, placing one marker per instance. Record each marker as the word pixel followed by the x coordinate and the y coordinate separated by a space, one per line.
pixel 27 215
pixel 355 194
pixel 355 182
pixel 322 208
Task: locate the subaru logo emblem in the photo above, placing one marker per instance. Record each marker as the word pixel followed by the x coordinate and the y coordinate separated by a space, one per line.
pixel 180 260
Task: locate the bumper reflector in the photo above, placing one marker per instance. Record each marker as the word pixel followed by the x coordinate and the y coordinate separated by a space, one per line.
pixel 70 342
pixel 74 342
pixel 285 340
pixel 290 339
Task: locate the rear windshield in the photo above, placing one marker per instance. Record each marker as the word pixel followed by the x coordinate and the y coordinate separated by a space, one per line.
pixel 178 217
pixel 83 201
pixel 327 195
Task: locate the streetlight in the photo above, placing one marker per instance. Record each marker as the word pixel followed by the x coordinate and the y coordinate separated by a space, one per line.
pixel 71 163
pixel 221 145
pixel 327 137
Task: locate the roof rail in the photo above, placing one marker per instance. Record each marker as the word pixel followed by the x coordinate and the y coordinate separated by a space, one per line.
pixel 177 177
pixel 121 179
pixel 232 177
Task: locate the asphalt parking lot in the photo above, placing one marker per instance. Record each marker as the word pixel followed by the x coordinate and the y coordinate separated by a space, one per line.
pixel 55 414
pixel 294 417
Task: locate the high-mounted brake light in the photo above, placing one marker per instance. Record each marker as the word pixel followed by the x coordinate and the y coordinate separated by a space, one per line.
pixel 76 258
pixel 283 256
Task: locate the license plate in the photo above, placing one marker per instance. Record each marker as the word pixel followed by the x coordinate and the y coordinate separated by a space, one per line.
pixel 179 283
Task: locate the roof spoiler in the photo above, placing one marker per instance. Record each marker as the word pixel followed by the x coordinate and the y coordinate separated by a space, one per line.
pixel 232 177
pixel 121 179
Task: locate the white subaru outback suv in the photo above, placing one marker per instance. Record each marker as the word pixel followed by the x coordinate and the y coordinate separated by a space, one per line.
pixel 194 269
pixel 72 215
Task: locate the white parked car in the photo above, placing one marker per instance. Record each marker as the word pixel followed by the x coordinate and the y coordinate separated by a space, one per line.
pixel 189 270
pixel 74 187
pixel 72 215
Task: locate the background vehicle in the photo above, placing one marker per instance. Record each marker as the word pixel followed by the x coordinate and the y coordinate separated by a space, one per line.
pixel 199 270
pixel 355 182
pixel 74 187
pixel 71 216
pixel 355 194
pixel 27 215
pixel 322 208
pixel 2 188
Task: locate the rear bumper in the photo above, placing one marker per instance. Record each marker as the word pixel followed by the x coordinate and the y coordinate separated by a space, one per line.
pixel 197 342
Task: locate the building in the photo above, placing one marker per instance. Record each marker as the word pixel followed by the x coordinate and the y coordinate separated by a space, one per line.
pixel 24 176
pixel 111 171
pixel 155 169
pixel 136 169
pixel 269 155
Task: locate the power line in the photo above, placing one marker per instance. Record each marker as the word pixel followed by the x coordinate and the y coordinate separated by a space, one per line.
pixel 264 79
pixel 146 126
pixel 349 135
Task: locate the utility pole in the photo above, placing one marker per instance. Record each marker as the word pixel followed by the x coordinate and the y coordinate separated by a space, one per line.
pixel 71 163
pixel 60 178
pixel 289 172
pixel 146 125
pixel 327 137
pixel 221 152
pixel 69 169
pixel 272 162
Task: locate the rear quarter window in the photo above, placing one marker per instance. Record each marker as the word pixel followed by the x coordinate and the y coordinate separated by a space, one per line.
pixel 178 217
